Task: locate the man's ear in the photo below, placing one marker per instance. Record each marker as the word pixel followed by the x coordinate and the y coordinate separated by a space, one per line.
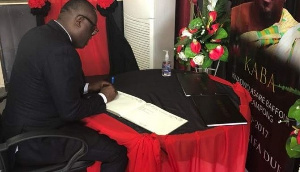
pixel 78 20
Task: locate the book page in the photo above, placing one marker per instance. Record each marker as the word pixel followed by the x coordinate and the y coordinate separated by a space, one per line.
pixel 154 119
pixel 123 103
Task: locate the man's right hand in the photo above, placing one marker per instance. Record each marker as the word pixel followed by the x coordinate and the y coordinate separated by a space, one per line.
pixel 109 92
pixel 97 86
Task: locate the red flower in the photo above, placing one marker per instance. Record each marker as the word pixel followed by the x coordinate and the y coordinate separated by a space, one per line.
pixel 192 63
pixel 216 53
pixel 179 48
pixel 36 3
pixel 193 30
pixel 213 29
pixel 212 16
pixel 105 3
pixel 195 46
pixel 181 30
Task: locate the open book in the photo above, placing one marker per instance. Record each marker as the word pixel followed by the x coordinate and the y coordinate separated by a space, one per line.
pixel 144 114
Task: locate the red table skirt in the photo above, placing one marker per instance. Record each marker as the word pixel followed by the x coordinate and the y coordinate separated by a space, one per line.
pixel 218 149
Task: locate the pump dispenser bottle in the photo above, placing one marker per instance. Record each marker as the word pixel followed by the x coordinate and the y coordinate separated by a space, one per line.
pixel 166 65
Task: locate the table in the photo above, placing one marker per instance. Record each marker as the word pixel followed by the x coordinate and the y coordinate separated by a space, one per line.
pixel 193 147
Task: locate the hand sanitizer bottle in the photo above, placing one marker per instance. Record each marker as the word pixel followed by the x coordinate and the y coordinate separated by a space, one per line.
pixel 166 65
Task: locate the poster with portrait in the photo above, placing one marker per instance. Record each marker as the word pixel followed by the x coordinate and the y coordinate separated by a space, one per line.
pixel 265 59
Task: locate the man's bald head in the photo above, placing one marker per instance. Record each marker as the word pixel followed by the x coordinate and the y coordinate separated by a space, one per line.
pixel 79 18
pixel 77 6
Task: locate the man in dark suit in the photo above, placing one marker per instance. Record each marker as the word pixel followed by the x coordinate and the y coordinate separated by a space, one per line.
pixel 47 90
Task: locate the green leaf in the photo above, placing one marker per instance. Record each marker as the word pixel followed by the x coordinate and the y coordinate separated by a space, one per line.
pixel 220 34
pixel 183 41
pixel 205 38
pixel 223 18
pixel 207 62
pixel 188 52
pixel 205 10
pixel 205 53
pixel 294 111
pixel 182 62
pixel 289 89
pixel 211 46
pixel 221 8
pixel 294 144
pixel 224 57
pixel 195 23
pixel 292 148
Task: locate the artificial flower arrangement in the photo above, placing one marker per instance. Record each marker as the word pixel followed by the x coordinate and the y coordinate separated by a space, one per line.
pixel 292 145
pixel 39 7
pixel 204 40
pixel 42 7
pixel 293 142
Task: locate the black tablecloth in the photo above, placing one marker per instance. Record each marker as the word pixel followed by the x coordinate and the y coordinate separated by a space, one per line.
pixel 166 93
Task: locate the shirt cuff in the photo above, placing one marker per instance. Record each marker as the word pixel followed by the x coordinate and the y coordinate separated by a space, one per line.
pixel 103 96
pixel 86 88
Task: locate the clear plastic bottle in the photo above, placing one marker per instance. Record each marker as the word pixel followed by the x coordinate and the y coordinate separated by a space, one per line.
pixel 166 65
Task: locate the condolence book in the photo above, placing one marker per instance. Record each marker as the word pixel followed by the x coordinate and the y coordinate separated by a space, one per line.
pixel 196 83
pixel 217 110
pixel 144 114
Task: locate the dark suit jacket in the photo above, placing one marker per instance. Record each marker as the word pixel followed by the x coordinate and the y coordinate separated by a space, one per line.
pixel 46 84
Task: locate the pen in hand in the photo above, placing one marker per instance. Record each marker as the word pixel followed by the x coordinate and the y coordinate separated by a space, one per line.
pixel 112 80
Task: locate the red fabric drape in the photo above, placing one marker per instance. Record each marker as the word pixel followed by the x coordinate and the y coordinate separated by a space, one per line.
pixel 182 16
pixel 221 149
pixel 94 56
pixel 144 149
pixel 182 19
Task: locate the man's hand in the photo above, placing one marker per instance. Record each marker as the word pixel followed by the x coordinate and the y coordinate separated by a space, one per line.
pixel 109 92
pixel 97 86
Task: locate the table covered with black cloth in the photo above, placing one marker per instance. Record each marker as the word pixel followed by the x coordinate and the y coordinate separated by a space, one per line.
pixel 191 147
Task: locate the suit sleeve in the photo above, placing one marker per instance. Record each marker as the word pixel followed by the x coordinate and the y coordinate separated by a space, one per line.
pixel 65 81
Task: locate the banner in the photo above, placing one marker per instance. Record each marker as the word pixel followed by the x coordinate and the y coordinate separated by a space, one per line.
pixel 265 59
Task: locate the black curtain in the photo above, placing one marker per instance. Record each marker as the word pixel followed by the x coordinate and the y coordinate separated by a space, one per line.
pixel 16 20
pixel 293 6
pixel 121 57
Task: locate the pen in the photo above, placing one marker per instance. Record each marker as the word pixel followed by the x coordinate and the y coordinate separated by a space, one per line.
pixel 112 80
